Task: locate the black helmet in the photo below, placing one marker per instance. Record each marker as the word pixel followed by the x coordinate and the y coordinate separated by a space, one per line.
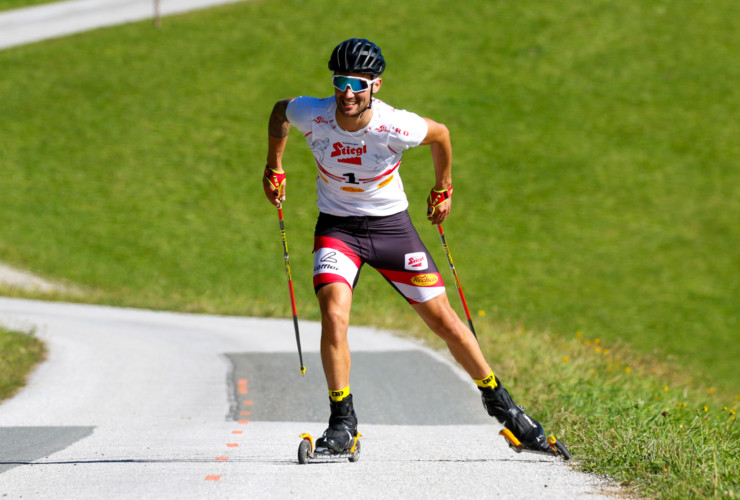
pixel 357 55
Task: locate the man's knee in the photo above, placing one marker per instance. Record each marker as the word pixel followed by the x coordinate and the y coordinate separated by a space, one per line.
pixel 335 318
pixel 335 301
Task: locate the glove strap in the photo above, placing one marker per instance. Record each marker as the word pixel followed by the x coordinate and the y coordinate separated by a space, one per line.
pixel 276 179
pixel 436 198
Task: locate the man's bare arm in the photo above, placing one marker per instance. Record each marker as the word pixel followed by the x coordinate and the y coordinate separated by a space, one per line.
pixel 438 138
pixel 279 125
pixel 278 129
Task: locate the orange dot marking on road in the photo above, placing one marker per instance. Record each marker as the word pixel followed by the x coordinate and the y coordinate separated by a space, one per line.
pixel 242 388
pixel 248 402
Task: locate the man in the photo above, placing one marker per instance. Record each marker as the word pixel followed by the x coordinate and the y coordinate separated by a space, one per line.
pixel 358 142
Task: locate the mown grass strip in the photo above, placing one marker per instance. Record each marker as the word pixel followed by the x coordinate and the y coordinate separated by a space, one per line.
pixel 19 353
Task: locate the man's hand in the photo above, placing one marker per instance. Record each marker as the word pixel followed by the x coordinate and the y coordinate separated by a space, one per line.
pixel 274 184
pixel 439 204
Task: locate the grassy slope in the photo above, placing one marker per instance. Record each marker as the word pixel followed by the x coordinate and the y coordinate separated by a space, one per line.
pixel 596 179
pixel 602 135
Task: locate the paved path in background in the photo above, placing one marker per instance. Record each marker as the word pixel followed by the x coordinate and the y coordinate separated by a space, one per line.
pixel 139 404
pixel 42 22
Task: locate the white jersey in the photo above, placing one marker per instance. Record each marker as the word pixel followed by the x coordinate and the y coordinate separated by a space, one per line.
pixel 358 171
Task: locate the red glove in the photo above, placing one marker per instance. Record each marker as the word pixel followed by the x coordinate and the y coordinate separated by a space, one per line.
pixel 436 198
pixel 276 181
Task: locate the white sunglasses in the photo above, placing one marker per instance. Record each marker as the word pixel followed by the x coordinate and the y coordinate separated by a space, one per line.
pixel 355 83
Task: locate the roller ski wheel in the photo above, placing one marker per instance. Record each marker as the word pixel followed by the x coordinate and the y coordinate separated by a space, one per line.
pixel 307 451
pixel 354 453
pixel 557 448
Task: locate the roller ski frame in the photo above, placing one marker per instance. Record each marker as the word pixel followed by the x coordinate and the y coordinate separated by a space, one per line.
pixel 557 448
pixel 307 451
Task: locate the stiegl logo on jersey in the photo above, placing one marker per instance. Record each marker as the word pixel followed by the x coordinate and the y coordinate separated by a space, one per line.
pixel 416 261
pixel 352 153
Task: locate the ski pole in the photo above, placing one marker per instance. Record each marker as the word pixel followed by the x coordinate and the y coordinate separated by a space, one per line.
pixel 457 280
pixel 290 287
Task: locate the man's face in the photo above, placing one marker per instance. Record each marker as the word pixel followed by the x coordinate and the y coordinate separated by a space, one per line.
pixel 352 103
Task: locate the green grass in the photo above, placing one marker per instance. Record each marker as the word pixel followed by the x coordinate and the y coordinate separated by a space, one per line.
pixel 596 183
pixel 628 417
pixel 17 4
pixel 19 353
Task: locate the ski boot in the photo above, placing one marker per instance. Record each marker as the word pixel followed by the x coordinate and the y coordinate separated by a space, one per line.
pixel 340 439
pixel 522 432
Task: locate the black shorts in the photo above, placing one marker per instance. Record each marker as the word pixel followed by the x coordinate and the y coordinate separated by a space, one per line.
pixel 390 244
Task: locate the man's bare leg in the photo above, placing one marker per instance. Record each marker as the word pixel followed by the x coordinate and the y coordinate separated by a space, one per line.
pixel 335 302
pixel 439 316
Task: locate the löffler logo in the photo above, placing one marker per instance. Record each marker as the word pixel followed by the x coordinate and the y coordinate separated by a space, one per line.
pixel 416 261
pixel 349 154
pixel 330 257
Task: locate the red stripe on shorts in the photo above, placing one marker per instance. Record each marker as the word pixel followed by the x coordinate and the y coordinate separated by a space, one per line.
pixel 338 245
pixel 326 278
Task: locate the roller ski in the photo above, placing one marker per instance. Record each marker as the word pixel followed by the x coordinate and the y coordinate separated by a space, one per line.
pixel 306 450
pixel 521 432
pixel 340 439
pixel 555 448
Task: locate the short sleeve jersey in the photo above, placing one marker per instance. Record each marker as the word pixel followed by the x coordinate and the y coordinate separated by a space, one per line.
pixel 358 172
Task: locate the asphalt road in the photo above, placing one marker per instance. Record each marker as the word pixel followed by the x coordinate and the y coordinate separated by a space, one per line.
pixel 141 404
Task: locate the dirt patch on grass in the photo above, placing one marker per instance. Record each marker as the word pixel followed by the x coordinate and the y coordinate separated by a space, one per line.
pixel 27 281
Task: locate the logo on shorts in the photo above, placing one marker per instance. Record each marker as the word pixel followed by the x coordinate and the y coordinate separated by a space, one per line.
pixel 416 261
pixel 330 257
pixel 326 262
pixel 425 279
